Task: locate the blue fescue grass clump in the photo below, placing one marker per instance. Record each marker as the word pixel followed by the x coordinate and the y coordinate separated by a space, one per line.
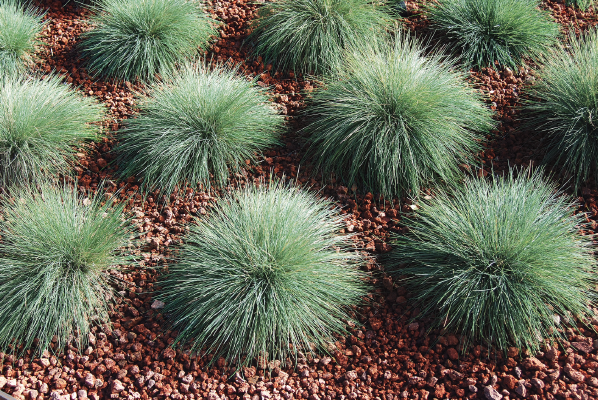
pixel 483 31
pixel 40 123
pixel 20 26
pixel 266 274
pixel 196 126
pixel 56 248
pixel 137 39
pixel 565 105
pixel 497 259
pixel 396 119
pixel 310 36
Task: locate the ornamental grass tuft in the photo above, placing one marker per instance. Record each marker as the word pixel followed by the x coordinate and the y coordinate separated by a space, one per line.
pixel 483 31
pixel 396 119
pixel 20 24
pixel 195 126
pixel 40 122
pixel 141 38
pixel 310 36
pixel 565 105
pixel 497 259
pixel 265 275
pixel 56 247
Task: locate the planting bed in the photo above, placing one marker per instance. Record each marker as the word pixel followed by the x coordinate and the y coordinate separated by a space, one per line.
pixel 391 355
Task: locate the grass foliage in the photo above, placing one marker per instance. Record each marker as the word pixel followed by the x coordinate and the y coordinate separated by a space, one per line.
pixel 497 259
pixel 195 126
pixel 566 105
pixel 310 36
pixel 20 24
pixel 40 122
pixel 396 120
pixel 582 4
pixel 397 8
pixel 483 31
pixel 56 246
pixel 139 38
pixel 267 274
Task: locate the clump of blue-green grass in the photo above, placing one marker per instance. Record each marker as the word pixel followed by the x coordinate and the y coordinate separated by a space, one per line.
pixel 499 261
pixel 266 274
pixel 137 39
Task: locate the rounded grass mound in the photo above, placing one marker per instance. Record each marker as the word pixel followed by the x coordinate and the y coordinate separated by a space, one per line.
pixel 565 105
pixel 266 275
pixel 310 36
pixel 483 31
pixel 497 259
pixel 56 246
pixel 195 126
pixel 20 24
pixel 396 120
pixel 140 38
pixel 40 122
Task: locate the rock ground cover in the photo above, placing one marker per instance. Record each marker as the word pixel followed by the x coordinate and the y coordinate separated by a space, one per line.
pixel 391 355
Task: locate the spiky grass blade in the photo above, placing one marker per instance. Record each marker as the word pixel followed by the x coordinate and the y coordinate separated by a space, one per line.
pixel 197 124
pixel 40 122
pixel 20 24
pixel 483 31
pixel 396 120
pixel 565 106
pixel 267 274
pixel 497 259
pixel 310 36
pixel 140 38
pixel 56 247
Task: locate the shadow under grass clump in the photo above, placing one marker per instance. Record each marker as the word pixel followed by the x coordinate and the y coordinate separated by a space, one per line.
pixel 564 106
pixel 497 259
pixel 56 248
pixel 482 32
pixel 41 122
pixel 137 39
pixel 266 275
pixel 396 119
pixel 196 126
pixel 20 25
pixel 310 36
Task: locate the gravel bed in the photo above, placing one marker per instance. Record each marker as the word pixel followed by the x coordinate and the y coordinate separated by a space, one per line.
pixel 391 356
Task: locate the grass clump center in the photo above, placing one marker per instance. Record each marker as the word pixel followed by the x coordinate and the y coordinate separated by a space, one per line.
pixel 195 126
pixel 396 120
pixel 497 259
pixel 56 247
pixel 266 275
pixel 310 36
pixel 140 38
pixel 482 31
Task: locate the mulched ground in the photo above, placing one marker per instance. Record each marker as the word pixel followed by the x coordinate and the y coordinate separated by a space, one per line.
pixel 391 356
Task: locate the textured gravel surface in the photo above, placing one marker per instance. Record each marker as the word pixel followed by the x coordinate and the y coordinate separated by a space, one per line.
pixel 392 355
